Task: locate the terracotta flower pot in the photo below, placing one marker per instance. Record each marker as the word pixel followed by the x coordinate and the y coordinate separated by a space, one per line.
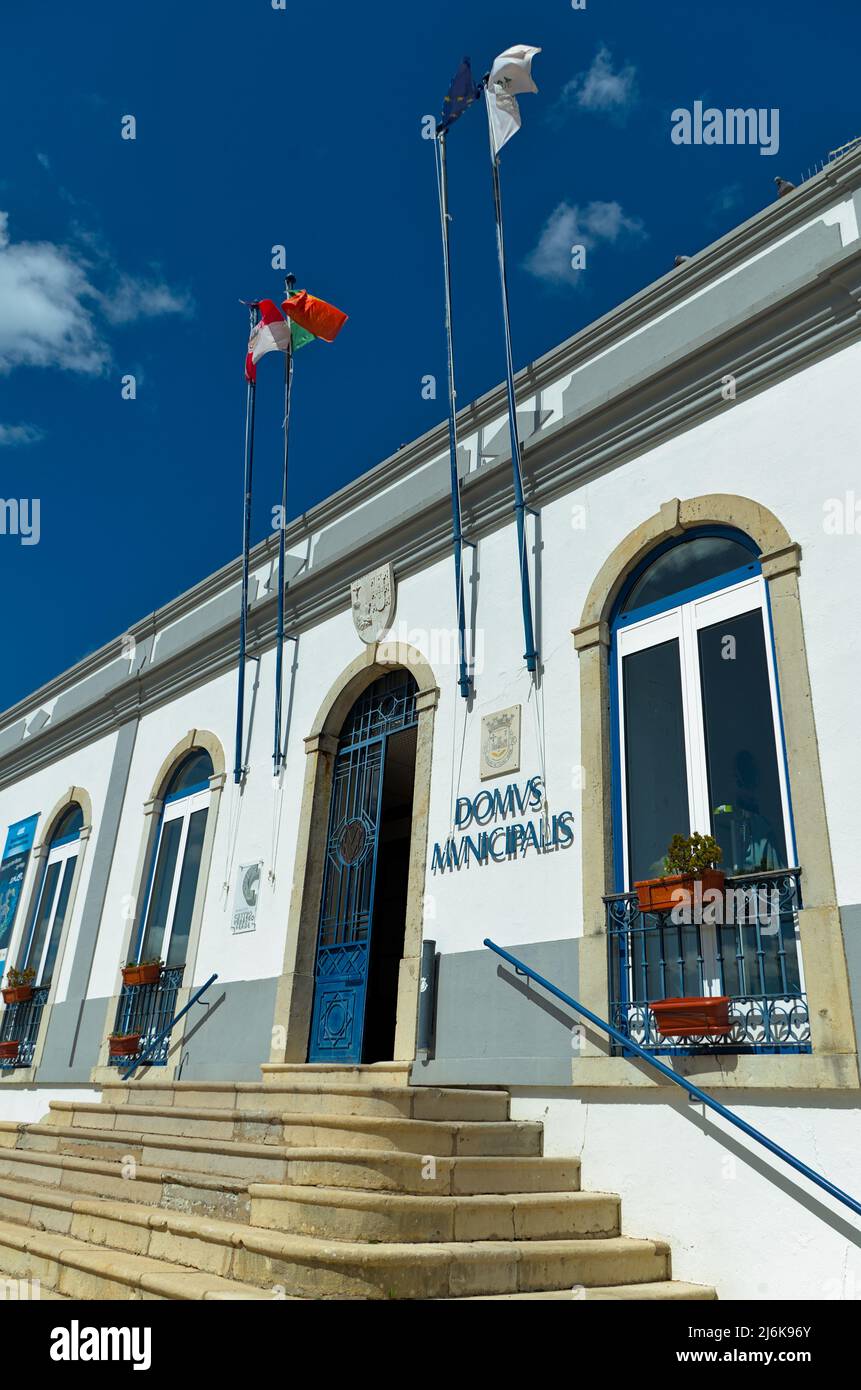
pixel 694 1017
pixel 8 1050
pixel 124 1044
pixel 141 974
pixel 17 994
pixel 656 894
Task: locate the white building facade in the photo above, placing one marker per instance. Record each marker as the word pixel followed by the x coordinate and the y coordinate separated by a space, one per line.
pixel 691 466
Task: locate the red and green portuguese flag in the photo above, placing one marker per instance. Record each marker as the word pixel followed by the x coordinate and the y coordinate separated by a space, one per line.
pixel 307 318
pixel 312 318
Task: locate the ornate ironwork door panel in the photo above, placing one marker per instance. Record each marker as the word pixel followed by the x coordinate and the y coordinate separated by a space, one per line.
pixel 343 948
pixel 350 872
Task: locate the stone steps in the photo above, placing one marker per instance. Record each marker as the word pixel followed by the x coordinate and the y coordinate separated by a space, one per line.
pixel 336 1214
pixel 317 1183
pixel 325 1094
pixel 311 1268
pixel 315 1166
pixel 303 1130
pixel 377 1171
pixel 180 1191
pixel 75 1269
pixel 351 1214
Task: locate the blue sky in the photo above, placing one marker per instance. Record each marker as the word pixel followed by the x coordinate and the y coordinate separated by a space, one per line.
pixel 257 126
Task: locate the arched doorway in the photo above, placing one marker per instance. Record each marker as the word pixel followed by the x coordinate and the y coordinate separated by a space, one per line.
pixel 365 876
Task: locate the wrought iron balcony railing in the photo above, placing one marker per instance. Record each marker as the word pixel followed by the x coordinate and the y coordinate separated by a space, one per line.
pixel 744 946
pixel 147 1010
pixel 21 1023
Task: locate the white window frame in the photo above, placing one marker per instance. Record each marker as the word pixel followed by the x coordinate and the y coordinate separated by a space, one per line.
pixel 682 624
pixel 58 854
pixel 182 808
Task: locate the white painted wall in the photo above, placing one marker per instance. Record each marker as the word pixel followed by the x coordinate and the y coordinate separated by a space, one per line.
pixel 736 1217
pixel 769 447
pixel 24 1105
pixel 792 448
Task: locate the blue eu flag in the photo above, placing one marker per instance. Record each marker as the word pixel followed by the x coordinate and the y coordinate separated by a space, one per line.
pixel 461 94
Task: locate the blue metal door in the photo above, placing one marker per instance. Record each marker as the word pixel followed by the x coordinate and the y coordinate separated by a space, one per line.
pixel 349 876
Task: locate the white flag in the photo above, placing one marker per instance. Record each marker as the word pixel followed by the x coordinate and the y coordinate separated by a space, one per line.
pixel 510 75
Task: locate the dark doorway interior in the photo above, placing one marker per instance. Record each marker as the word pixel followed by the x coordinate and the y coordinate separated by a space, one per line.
pixel 390 897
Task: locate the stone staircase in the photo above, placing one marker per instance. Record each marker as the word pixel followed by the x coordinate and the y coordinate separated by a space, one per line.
pixel 317 1182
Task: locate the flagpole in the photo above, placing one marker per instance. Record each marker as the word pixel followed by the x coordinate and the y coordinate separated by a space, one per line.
pixel 250 403
pixel 530 654
pixel 289 283
pixel 457 527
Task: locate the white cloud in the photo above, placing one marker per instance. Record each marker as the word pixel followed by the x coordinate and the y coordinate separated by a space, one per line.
pixel 53 314
pixel 570 225
pixel 44 318
pixel 133 298
pixel 600 87
pixel 12 435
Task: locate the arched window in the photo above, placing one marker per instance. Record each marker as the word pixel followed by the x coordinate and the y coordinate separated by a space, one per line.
pixel 687 564
pixel 46 931
pixel 696 709
pixel 175 865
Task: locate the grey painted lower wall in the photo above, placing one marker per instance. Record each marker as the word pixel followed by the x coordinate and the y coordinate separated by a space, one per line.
pixel 229 1040
pixel 72 1041
pixel 850 920
pixel 493 1027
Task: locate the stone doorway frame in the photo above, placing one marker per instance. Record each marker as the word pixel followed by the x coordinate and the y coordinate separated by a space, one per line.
pixel 295 994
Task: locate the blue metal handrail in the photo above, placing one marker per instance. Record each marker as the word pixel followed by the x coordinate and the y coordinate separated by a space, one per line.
pixel 682 1081
pixel 166 1032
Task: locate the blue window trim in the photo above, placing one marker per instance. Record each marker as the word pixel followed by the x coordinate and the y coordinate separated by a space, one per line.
pixel 791 849
pixel 682 596
pixel 188 791
pixel 64 840
pixel 725 533
pixel 619 621
pixel 617 808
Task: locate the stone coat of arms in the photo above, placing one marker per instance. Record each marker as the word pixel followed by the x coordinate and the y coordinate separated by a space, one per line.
pixel 500 742
pixel 373 602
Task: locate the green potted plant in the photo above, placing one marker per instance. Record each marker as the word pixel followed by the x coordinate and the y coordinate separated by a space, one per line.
pixel 689 859
pixel 142 972
pixel 124 1044
pixel 19 986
